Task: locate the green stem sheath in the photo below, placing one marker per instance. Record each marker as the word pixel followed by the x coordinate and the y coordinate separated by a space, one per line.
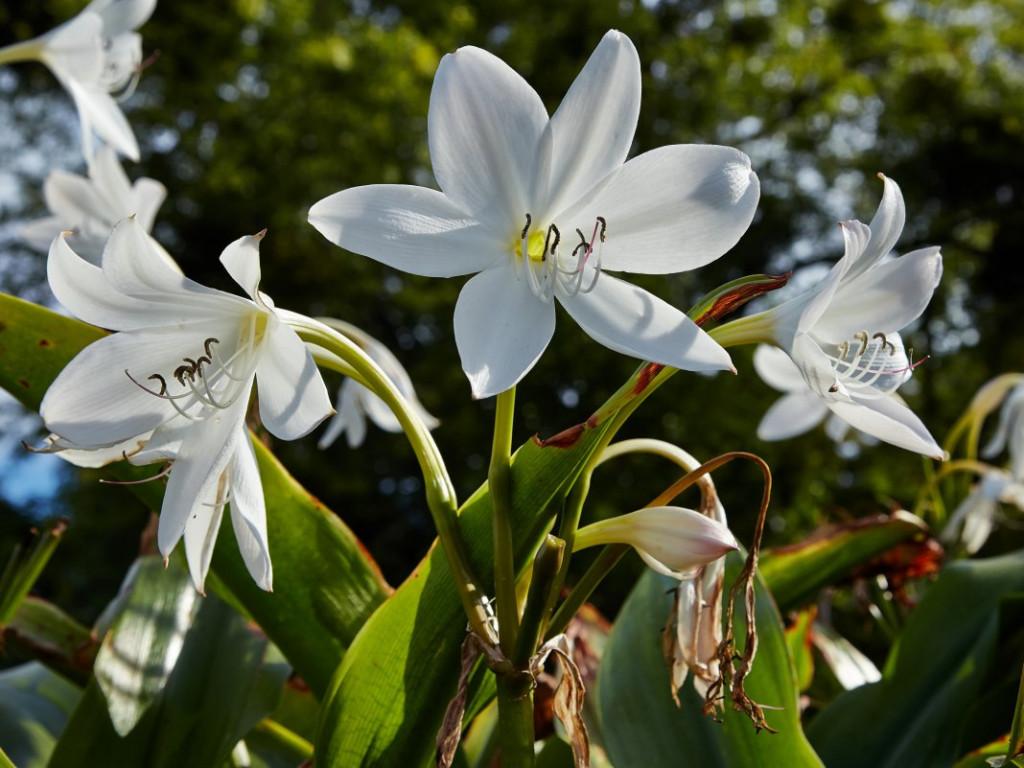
pixel 515 721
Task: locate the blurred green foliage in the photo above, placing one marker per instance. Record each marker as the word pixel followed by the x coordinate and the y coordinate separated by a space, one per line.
pixel 254 110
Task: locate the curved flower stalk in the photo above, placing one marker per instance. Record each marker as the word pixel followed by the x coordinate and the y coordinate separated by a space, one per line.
pixel 94 55
pixel 89 207
pixel 356 403
pixel 673 541
pixel 1010 432
pixel 842 334
pixel 541 208
pixel 174 385
pixel 974 519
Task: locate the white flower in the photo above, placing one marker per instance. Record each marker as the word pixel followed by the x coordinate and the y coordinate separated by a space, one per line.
pixel 539 207
pixel 90 207
pixel 356 403
pixel 975 517
pixel 1010 432
pixel 93 55
pixel 842 333
pixel 174 384
pixel 671 540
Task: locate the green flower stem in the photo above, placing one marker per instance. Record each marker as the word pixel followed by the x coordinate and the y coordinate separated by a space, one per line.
pixel 286 739
pixel 538 601
pixel 499 481
pixel 754 329
pixel 604 563
pixel 25 51
pixel 336 351
pixel 23 569
pixel 515 720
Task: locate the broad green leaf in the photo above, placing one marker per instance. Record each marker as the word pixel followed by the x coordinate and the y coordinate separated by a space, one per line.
pixel 227 678
pixel 796 573
pixel 44 632
pixel 915 715
pixel 325 583
pixel 643 728
pixel 139 651
pixel 34 706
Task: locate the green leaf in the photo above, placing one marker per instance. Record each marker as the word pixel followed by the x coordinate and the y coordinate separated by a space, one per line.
pixel 34 706
pixel 798 642
pixel 796 573
pixel 325 583
pixel 227 678
pixel 644 728
pixel 24 566
pixel 915 715
pixel 138 653
pixel 43 631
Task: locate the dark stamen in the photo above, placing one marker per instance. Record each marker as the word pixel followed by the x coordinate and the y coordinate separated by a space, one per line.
pixel 529 221
pixel 604 226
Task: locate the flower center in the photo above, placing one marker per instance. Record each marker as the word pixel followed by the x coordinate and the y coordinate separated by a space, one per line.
pixel 210 381
pixel 549 266
pixel 869 366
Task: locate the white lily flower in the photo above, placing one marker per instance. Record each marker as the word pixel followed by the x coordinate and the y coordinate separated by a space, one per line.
pixel 1010 432
pixel 842 334
pixel 177 378
pixel 89 207
pixel 355 403
pixel 93 55
pixel 673 541
pixel 540 208
pixel 974 518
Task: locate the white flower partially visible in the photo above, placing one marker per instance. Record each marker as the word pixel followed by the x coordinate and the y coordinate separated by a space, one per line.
pixel 673 541
pixel 355 403
pixel 974 519
pixel 843 335
pixel 1010 433
pixel 89 207
pixel 542 208
pixel 174 385
pixel 94 55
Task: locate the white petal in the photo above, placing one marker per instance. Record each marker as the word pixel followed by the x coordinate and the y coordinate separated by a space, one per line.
pixel 349 419
pixel 816 300
pixel 249 512
pixel 292 394
pixel 886 227
pixel 630 320
pixel 149 195
pixel 120 16
pixel 672 209
pixel 73 198
pixel 94 403
pixel 889 421
pixel 777 370
pixel 483 126
pixel 111 183
pixel 241 259
pixel 501 329
pixel 39 234
pixel 202 527
pixel 791 415
pixel 98 110
pixel 191 494
pixel 93 458
pixel 414 229
pixel 972 522
pixel 593 127
pixel 75 48
pixel 134 264
pixel 884 299
pixel 85 292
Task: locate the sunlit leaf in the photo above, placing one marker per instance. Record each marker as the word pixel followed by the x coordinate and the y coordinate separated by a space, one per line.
pixel 34 706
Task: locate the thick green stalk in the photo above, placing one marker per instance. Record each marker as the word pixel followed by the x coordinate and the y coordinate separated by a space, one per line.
pixel 515 721
pixel 539 600
pixel 28 50
pixel 499 480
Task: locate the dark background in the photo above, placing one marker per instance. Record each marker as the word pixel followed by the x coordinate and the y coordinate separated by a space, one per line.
pixel 255 110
